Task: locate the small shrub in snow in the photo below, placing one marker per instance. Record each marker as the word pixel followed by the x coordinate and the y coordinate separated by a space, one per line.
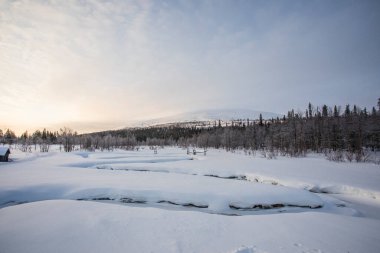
pixel 366 157
pixel 359 156
pixel 272 155
pixel 336 156
pixel 349 156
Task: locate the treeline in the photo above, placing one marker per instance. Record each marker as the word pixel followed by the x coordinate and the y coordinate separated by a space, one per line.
pixel 324 129
pixel 38 139
pixel 67 139
pixel 315 129
pixel 342 134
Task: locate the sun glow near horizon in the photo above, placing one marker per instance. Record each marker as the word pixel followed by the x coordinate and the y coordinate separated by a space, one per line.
pixel 95 64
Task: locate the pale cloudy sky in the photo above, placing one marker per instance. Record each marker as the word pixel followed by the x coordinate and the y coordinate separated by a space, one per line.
pixel 97 64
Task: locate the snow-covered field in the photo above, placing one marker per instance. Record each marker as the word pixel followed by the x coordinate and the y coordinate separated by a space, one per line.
pixel 138 201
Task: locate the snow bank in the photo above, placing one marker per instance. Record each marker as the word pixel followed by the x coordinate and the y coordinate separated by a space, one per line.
pixel 89 176
pixel 77 226
pixel 218 195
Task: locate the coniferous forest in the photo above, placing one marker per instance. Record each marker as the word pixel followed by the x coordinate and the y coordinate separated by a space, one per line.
pixel 341 133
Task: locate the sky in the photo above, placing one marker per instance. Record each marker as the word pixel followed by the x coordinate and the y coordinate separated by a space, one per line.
pixel 96 65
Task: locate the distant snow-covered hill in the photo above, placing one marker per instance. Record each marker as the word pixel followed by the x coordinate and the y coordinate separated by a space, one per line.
pixel 224 115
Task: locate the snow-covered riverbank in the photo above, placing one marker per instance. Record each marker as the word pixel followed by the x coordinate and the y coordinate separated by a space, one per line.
pixel 138 201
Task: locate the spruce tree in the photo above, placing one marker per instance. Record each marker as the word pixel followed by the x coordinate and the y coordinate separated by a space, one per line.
pixel 336 113
pixel 324 111
pixel 347 112
pixel 310 110
pixel 261 120
pixel 355 110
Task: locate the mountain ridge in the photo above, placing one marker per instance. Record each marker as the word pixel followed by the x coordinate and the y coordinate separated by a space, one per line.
pixel 206 115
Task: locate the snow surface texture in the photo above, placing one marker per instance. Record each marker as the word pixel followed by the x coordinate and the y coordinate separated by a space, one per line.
pixel 221 202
